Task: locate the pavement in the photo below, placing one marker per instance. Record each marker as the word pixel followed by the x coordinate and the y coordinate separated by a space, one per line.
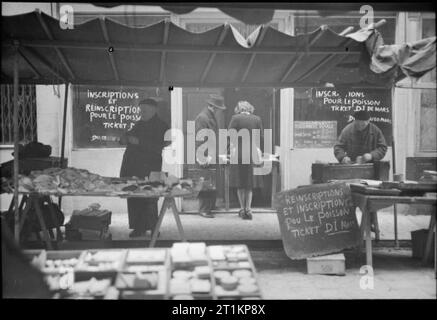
pixel 396 275
pixel 264 226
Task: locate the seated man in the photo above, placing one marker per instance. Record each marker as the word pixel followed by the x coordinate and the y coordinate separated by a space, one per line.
pixel 360 141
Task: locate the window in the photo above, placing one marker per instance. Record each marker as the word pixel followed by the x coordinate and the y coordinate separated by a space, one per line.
pixel 428 119
pixel 26 115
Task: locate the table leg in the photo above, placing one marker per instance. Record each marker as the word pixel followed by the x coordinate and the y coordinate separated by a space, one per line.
pixel 274 183
pixel 25 212
pixel 55 220
pixel 178 219
pixel 226 187
pixel 165 205
pixel 374 221
pixel 360 245
pixel 395 215
pixel 40 216
pixel 368 237
pixel 428 245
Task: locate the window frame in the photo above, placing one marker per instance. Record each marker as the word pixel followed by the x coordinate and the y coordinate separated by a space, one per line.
pixel 417 95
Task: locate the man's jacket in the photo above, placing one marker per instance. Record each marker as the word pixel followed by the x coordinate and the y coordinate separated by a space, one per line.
pixel 353 143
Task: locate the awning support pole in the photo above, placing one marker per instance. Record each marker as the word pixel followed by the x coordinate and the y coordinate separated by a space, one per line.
pixel 393 150
pixel 16 140
pixel 64 123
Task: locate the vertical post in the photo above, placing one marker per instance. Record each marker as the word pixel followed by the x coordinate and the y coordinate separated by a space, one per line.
pixel 16 138
pixel 395 209
pixel 274 119
pixel 64 123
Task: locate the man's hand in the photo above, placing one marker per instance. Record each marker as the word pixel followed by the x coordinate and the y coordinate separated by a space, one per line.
pixel 133 140
pixel 367 157
pixel 346 160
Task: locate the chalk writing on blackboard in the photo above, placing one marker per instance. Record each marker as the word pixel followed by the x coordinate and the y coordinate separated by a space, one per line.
pixel 317 219
pixel 338 104
pixel 315 134
pixel 103 114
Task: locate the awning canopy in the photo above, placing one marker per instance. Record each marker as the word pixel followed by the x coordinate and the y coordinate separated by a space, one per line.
pixel 104 52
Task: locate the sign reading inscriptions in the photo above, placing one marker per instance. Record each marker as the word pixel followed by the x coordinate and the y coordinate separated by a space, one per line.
pixel 329 104
pixel 317 219
pixel 315 134
pixel 101 115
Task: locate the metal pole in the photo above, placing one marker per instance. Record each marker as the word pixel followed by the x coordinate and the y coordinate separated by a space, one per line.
pixel 16 140
pixel 274 119
pixel 64 123
pixel 393 149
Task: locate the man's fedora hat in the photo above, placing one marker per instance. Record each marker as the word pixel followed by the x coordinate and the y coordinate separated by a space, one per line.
pixel 151 101
pixel 216 101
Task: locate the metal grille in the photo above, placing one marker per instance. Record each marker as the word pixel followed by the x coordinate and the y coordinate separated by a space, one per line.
pixel 26 114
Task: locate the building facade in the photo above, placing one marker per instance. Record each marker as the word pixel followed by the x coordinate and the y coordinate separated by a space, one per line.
pixel 413 104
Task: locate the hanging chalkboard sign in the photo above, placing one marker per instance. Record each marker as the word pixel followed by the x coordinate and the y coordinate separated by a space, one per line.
pixel 315 134
pixel 316 220
pixel 328 104
pixel 101 115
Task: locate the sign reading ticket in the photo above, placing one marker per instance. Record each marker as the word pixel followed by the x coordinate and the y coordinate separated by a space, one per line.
pixel 316 220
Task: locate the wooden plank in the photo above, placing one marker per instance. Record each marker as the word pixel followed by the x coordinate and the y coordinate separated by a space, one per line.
pixel 16 147
pixel 334 59
pixel 182 48
pixel 58 51
pixel 181 83
pixel 29 52
pixel 330 264
pixel 164 54
pixel 213 55
pixel 301 55
pixel 31 66
pixel 165 206
pixel 108 41
pixel 252 57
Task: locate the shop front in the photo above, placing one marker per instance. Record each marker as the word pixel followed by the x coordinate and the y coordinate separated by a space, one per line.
pixel 304 95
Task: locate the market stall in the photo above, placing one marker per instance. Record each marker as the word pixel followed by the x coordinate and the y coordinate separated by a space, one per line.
pixel 36 50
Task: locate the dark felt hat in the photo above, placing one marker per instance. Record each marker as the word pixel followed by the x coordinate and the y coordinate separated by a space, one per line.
pixel 361 115
pixel 216 101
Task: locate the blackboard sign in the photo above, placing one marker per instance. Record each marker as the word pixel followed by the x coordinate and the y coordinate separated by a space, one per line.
pixel 101 115
pixel 329 104
pixel 316 220
pixel 315 134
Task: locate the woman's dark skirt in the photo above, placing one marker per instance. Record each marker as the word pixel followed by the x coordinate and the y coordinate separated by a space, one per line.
pixel 241 176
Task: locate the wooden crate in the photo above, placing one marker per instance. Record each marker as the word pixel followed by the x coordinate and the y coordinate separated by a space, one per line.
pixel 325 172
pixel 330 264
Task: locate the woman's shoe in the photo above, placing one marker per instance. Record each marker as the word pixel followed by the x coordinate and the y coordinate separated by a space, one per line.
pixel 247 214
pixel 241 213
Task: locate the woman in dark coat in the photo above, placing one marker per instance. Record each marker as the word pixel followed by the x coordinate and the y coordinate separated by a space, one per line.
pixel 241 174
